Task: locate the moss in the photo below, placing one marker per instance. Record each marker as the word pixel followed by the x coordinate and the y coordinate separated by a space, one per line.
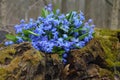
pixel 3 73
pixel 1 45
pixel 34 57
pixel 108 40
pixel 104 72
pixel 106 32
pixel 13 64
pixel 109 56
pixel 6 54
pixel 16 59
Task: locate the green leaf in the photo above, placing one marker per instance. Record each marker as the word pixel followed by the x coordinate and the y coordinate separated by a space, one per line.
pixel 83 36
pixel 55 7
pixel 54 10
pixel 11 37
pixel 81 28
pixel 61 52
pixel 93 34
pixel 26 38
pixel 44 13
pixel 69 38
pixel 69 16
pixel 58 50
pixel 27 32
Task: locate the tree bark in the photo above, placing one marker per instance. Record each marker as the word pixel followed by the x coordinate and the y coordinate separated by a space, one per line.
pixel 45 2
pixel 115 14
pixel 87 9
pixel 3 12
pixel 64 6
pixel 0 14
pixel 77 5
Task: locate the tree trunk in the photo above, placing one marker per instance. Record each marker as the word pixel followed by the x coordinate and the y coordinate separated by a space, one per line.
pixel 115 14
pixel 64 6
pixel 77 5
pixel 3 12
pixel 87 9
pixel 0 14
pixel 45 2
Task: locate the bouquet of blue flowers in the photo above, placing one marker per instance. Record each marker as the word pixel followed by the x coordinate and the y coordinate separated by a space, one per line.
pixel 54 32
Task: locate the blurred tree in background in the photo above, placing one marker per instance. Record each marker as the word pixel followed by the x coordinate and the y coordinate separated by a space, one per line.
pixel 115 14
pixel 105 13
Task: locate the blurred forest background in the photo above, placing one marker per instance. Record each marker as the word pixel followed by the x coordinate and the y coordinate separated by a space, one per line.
pixel 105 13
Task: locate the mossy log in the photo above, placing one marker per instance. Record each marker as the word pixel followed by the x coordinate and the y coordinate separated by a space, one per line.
pixel 98 60
pixel 23 62
pixel 88 63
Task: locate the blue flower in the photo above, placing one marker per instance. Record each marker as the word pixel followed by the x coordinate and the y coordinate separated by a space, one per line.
pixel 35 45
pixel 75 40
pixel 55 35
pixel 65 28
pixel 56 30
pixel 90 36
pixel 48 27
pixel 64 61
pixel 53 30
pixel 50 15
pixel 8 43
pixel 60 39
pixel 39 30
pixel 30 25
pixel 56 22
pixel 49 7
pixel 65 55
pixel 74 13
pixel 86 39
pixel 76 34
pixel 80 44
pixel 40 19
pixel 18 29
pixel 58 11
pixel 90 21
pixel 46 46
pixel 65 22
pixel 77 23
pixel 44 38
pixel 22 21
pixel 65 36
pixel 67 46
pixel 82 18
pixel 19 39
pixel 62 16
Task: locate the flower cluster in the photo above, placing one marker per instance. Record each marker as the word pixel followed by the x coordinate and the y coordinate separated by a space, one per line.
pixel 54 32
